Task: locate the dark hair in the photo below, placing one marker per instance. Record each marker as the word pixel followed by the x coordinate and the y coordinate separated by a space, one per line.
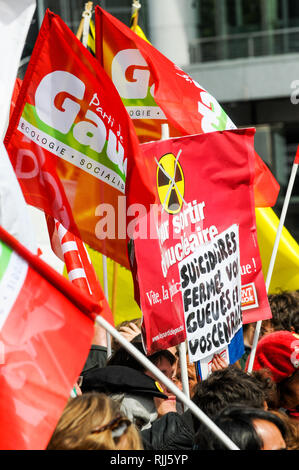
pixel 294 321
pixel 236 422
pixel 228 386
pixel 263 377
pixel 283 305
pixel 122 357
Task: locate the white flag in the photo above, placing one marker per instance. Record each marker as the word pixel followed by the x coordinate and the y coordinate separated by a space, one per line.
pixel 15 19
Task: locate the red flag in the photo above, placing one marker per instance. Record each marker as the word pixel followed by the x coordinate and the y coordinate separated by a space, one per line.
pixel 297 157
pixel 154 91
pixel 15 94
pixel 46 328
pixel 203 185
pixel 72 143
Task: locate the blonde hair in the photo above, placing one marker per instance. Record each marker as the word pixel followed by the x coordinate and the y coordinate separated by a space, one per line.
pixel 81 416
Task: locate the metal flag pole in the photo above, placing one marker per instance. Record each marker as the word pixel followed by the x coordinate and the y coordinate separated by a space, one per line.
pixel 182 346
pixel 106 292
pixel 273 257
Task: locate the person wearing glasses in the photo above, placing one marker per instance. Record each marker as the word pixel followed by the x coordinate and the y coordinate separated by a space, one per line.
pixel 93 421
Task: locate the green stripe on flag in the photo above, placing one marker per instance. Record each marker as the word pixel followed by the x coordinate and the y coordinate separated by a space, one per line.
pixel 5 255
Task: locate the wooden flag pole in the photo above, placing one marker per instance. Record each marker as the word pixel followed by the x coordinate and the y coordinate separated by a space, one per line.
pixel 182 346
pixel 273 258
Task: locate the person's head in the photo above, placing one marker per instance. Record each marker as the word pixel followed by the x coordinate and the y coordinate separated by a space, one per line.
pixel 93 421
pixel 292 429
pixel 249 428
pixel 192 377
pixel 282 305
pixel 294 321
pixel 163 360
pixel 228 386
pixel 278 354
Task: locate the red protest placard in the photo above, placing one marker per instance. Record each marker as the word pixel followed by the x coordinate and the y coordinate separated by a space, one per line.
pixel 203 184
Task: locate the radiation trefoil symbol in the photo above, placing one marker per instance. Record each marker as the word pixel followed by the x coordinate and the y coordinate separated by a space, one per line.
pixel 170 183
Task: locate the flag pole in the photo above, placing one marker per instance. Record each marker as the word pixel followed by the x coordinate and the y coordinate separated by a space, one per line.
pixel 167 382
pixel 114 288
pixel 136 5
pixel 182 346
pixel 83 30
pixel 106 292
pixel 273 256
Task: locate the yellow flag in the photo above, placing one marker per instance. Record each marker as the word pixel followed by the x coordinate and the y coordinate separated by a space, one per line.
pixel 285 274
pixel 125 306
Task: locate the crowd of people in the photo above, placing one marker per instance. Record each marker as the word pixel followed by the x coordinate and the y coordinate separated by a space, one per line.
pixel 120 405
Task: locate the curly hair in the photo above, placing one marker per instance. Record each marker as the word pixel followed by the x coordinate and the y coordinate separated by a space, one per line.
pixel 229 386
pixel 283 306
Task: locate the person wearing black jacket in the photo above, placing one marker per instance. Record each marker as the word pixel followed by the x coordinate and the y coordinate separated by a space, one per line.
pixel 224 387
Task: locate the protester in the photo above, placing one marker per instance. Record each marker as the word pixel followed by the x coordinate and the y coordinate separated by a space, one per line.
pixel 283 305
pixel 292 430
pixel 249 428
pixel 132 389
pixel 192 376
pixel 143 399
pixel 222 388
pixel 97 356
pixel 277 354
pixel 93 421
pixel 248 335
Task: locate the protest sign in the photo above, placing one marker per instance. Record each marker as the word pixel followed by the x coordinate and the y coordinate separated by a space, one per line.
pixel 203 186
pixel 211 292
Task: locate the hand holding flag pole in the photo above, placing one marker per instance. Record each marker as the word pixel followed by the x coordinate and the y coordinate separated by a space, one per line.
pixel 274 253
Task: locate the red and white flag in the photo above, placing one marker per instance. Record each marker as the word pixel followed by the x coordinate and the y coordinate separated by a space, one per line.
pixel 46 328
